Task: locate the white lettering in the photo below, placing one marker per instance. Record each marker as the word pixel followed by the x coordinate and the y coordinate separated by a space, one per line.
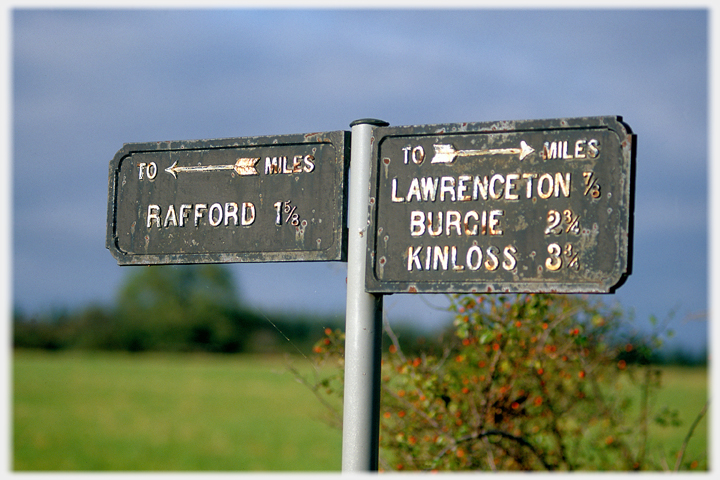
pixel 413 258
pixel 151 170
pixel 466 221
pixel 309 163
pixel 453 260
pixel 529 177
pixel 298 164
pixel 184 208
pixel 474 251
pixel 414 190
pixel 393 188
pixel 217 214
pixel 445 257
pixel 493 193
pixel 248 213
pixel 550 150
pixel 216 210
pixel 452 219
pixel 231 211
pixel 447 186
pixel 405 152
pixel 462 188
pixel 510 261
pixel 563 149
pixel 271 166
pixel 417 223
pixel 480 187
pixel 171 217
pixel 562 183
pixel 492 262
pixel 429 188
pixel 497 187
pixel 510 186
pixel 418 155
pixel 548 179
pixel 440 256
pixel 470 223
pixel 153 212
pixel 198 212
pixel 580 149
pixel 494 222
pixel 593 148
pixel 438 226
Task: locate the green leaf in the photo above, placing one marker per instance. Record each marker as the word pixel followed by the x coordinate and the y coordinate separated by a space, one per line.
pixel 486 336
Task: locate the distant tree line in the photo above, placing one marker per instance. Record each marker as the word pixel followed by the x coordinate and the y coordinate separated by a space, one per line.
pixel 172 308
pixel 183 308
pixel 196 308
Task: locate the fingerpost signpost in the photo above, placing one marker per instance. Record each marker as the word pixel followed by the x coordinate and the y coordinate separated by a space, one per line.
pixel 514 206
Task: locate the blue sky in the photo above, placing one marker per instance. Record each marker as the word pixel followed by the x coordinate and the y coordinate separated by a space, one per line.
pixel 85 81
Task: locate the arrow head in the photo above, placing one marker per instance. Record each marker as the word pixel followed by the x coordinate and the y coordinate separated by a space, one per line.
pixel 525 149
pixel 171 169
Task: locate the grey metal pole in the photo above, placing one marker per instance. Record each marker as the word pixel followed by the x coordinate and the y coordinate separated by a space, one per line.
pixel 363 318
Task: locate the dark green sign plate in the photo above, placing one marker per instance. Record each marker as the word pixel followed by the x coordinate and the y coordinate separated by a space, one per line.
pixel 254 199
pixel 523 206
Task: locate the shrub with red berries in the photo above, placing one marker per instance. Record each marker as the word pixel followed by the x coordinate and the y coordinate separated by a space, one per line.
pixel 525 382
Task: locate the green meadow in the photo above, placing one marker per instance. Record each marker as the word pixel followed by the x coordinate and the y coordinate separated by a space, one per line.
pixel 684 389
pixel 80 411
pixel 164 412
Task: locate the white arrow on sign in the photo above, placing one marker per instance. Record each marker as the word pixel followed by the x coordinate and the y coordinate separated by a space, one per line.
pixel 244 166
pixel 447 153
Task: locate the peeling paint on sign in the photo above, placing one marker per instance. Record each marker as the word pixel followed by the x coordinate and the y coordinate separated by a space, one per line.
pixel 522 206
pixel 253 199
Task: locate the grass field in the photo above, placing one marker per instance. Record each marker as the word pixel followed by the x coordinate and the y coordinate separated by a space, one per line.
pixel 115 412
pixel 685 389
pixel 159 412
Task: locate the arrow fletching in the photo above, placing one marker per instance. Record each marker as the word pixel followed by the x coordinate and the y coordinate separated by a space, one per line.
pixel 246 166
pixel 444 154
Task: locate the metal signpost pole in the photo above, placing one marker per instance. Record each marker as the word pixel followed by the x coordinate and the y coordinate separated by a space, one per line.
pixel 363 321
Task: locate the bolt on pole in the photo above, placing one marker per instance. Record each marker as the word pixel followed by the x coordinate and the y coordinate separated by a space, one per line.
pixel 363 319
